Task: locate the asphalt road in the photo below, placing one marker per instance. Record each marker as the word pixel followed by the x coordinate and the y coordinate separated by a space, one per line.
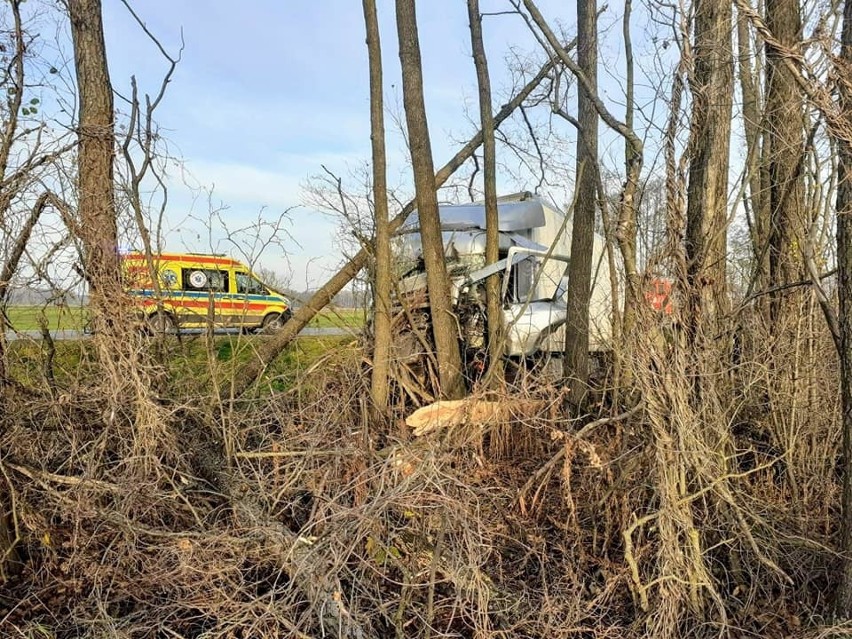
pixel 63 335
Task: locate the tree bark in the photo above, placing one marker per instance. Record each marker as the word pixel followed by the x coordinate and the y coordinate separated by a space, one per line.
pixel 444 323
pixel 267 353
pixel 843 604
pixel 576 364
pixel 784 104
pixel 95 159
pixel 712 85
pixel 755 174
pixel 494 312
pixel 382 285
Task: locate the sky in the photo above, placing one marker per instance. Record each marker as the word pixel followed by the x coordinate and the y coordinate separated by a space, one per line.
pixel 268 92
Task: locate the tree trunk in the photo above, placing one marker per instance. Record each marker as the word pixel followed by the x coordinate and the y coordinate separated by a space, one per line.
pixel 437 281
pixel 707 194
pixel 492 233
pixel 95 159
pixel 754 156
pixel 382 290
pixel 843 605
pixel 784 146
pixel 576 365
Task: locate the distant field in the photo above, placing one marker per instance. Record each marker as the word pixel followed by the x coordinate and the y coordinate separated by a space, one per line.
pixel 26 318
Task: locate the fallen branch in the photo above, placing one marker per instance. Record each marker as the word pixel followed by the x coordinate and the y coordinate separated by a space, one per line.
pixel 280 546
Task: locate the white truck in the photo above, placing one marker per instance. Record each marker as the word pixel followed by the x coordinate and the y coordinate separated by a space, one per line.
pixel 535 248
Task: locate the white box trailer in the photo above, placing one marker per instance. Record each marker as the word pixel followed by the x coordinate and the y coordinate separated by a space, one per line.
pixel 535 249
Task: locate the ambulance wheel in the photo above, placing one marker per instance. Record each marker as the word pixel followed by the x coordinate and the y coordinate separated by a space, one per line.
pixel 273 323
pixel 160 323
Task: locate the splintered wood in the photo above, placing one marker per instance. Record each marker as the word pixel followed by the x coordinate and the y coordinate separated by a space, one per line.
pixel 448 413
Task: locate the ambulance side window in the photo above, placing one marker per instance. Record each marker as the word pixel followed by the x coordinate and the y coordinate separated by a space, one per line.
pixel 247 285
pixel 205 279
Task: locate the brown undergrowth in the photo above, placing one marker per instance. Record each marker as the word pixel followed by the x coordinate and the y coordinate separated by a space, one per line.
pixel 296 514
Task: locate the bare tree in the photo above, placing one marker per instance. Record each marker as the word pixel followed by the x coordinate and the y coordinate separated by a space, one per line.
pixel 267 354
pixel 9 556
pixel 580 268
pixel 444 324
pixel 634 157
pixel 788 57
pixel 494 312
pixel 95 159
pixel 27 153
pixel 756 170
pixel 383 283
pixel 784 141
pixel 140 154
pixel 712 84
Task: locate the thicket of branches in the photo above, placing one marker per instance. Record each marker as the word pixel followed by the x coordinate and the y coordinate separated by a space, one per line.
pixel 698 486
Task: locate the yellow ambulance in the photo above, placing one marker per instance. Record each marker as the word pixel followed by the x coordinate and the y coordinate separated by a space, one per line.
pixel 192 290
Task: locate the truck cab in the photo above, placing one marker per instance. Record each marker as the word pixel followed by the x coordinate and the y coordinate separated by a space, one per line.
pixel 535 247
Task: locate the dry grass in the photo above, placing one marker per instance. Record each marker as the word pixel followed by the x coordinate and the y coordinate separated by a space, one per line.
pixel 144 511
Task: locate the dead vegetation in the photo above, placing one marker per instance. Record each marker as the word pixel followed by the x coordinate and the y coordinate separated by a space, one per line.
pixel 138 514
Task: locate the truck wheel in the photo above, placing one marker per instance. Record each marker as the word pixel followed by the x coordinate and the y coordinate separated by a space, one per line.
pixel 159 323
pixel 273 322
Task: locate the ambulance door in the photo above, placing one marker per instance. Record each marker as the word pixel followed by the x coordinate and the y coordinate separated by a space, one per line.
pixel 206 296
pixel 251 299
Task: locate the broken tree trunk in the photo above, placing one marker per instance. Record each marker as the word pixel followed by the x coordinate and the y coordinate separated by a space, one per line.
pixel 445 414
pixel 267 352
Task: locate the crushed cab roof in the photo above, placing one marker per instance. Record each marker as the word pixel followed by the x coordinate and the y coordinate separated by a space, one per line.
pixel 512 216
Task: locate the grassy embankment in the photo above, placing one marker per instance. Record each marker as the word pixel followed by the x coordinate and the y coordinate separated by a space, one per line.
pixel 193 364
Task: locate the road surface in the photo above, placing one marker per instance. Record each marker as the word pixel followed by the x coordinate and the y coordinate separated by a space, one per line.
pixel 63 335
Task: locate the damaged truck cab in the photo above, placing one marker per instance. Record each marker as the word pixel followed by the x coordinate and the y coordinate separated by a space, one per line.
pixel 535 248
